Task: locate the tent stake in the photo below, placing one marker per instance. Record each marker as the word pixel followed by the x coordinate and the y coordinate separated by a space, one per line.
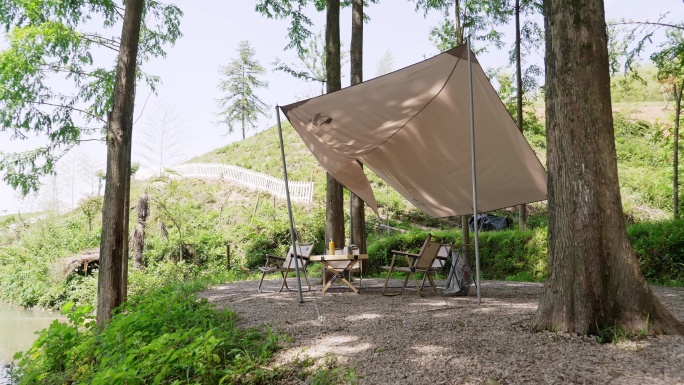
pixel 289 207
pixel 472 155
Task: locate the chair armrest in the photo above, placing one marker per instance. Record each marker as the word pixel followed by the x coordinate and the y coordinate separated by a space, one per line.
pixel 442 257
pixel 412 255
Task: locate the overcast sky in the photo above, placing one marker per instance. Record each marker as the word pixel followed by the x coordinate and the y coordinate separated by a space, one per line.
pixel 212 30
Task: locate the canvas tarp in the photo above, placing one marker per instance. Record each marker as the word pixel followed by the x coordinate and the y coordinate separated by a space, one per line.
pixel 412 128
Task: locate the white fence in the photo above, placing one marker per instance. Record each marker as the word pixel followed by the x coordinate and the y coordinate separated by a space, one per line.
pixel 300 192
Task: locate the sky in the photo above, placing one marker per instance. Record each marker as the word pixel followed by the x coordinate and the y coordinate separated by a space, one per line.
pixel 212 30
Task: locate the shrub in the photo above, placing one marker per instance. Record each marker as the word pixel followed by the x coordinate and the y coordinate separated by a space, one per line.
pixel 659 246
pixel 503 254
pixel 164 336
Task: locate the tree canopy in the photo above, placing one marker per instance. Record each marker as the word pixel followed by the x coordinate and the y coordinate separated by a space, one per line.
pixel 57 78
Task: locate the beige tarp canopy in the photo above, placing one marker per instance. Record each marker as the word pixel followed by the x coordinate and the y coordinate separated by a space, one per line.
pixel 412 128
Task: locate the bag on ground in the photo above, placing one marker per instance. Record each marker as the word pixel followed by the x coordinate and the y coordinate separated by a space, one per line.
pixel 460 276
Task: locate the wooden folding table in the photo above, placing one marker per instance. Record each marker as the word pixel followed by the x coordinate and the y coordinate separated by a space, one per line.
pixel 339 270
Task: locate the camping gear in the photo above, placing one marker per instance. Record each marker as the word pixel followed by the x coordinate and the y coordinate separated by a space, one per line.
pixel 417 263
pixel 488 222
pixel 287 264
pixel 460 276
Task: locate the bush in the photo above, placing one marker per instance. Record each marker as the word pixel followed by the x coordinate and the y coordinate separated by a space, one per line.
pixel 507 254
pixel 164 336
pixel 659 247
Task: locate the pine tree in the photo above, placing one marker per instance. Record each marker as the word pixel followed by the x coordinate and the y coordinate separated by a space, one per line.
pixel 241 78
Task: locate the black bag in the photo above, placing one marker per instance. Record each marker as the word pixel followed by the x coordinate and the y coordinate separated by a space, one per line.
pixel 488 222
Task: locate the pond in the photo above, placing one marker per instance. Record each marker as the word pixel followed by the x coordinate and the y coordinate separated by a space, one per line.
pixel 18 327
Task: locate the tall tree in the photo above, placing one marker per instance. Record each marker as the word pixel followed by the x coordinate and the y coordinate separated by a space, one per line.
pixel 241 78
pixel 357 215
pixel 334 198
pixel 112 277
pixel 298 33
pixel 594 282
pixel 474 18
pixel 529 30
pixel 670 63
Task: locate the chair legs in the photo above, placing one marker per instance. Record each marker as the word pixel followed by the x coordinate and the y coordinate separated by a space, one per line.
pixel 261 281
pixel 419 287
pixel 283 285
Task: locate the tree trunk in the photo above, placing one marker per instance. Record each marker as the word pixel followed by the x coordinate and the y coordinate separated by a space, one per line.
pixel 460 38
pixel 465 236
pixel 675 180
pixel 127 206
pixel 358 217
pixel 139 234
pixel 522 209
pixel 334 224
pixel 119 130
pixel 594 282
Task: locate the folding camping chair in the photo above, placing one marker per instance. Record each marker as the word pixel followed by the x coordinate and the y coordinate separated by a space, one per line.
pixel 443 255
pixel 417 263
pixel 287 264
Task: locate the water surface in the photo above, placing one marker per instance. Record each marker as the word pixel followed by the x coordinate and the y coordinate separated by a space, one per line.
pixel 18 327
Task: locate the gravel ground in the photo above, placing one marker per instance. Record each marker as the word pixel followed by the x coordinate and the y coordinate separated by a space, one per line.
pixel 450 340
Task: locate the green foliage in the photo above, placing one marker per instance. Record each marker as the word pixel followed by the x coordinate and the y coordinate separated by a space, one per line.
pixel 241 78
pixel 90 206
pixel 31 270
pixel 50 43
pixel 659 247
pixel 508 254
pixel 164 336
pixel 513 254
pixel 636 89
pixel 643 154
pixel 670 60
pixel 477 19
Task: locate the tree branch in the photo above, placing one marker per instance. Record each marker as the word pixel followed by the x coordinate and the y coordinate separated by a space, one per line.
pixel 676 26
pixel 65 69
pixel 69 107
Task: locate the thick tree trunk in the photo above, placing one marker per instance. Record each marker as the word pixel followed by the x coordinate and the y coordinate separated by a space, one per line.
pixel 120 125
pixel 594 281
pixel 522 209
pixel 334 215
pixel 139 234
pixel 358 215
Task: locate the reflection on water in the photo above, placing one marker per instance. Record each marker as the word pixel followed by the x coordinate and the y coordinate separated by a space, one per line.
pixel 18 328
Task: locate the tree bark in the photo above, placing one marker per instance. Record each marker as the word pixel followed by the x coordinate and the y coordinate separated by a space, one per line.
pixel 675 179
pixel 119 129
pixel 334 224
pixel 460 39
pixel 594 282
pixel 358 217
pixel 139 234
pixel 522 209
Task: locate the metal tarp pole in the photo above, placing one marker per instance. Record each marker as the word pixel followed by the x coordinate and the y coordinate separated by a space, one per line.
pixel 289 207
pixel 472 155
